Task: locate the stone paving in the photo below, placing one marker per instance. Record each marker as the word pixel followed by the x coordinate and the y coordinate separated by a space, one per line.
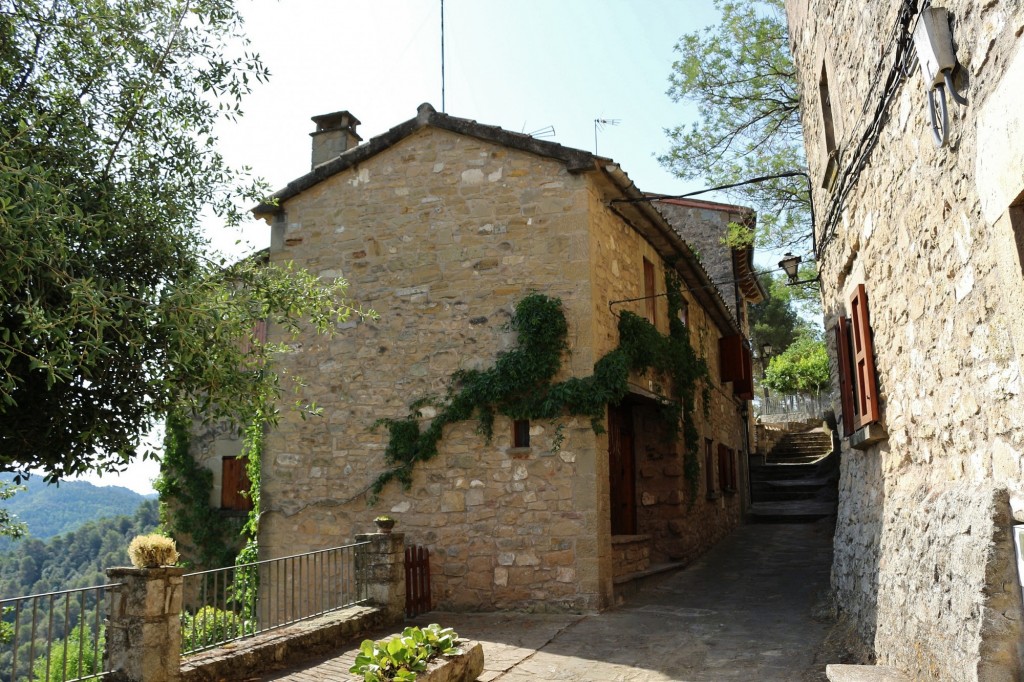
pixel 743 612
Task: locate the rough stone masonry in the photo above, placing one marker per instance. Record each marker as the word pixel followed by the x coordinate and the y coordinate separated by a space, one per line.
pixel 924 559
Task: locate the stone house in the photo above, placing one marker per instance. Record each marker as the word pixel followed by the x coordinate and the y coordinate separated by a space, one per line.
pixel 444 225
pixel 920 250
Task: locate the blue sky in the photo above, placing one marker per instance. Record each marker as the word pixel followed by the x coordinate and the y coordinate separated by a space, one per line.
pixel 523 65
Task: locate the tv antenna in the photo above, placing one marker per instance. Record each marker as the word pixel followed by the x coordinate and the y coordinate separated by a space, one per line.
pixel 600 124
pixel 546 131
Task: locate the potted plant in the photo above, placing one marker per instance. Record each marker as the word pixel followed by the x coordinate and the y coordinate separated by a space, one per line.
pixel 385 523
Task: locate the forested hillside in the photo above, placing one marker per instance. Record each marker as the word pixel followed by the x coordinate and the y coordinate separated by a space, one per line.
pixel 51 510
pixel 75 559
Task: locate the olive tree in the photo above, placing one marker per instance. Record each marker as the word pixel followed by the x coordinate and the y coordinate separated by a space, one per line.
pixel 111 310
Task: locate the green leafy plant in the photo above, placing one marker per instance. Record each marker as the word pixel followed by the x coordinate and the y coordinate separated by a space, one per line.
pixel 404 656
pixel 520 384
pixel 210 625
pixel 803 368
pixel 77 657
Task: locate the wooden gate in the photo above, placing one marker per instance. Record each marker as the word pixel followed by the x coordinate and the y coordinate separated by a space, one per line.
pixel 417 581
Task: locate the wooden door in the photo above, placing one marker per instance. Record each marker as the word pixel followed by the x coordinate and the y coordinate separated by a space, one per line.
pixel 622 471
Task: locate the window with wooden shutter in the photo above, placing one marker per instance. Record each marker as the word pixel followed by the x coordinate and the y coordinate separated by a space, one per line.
pixel 709 471
pixel 743 388
pixel 521 433
pixel 842 337
pixel 865 384
pixel 735 365
pixel 726 469
pixel 234 480
pixel 650 302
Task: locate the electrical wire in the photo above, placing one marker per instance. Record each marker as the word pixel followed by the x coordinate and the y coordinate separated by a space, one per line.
pixel 900 41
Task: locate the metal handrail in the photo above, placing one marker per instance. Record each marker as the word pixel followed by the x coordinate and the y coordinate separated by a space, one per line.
pixel 229 603
pixel 87 658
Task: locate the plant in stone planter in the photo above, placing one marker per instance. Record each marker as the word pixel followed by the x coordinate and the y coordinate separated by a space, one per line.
pixel 150 551
pixel 404 656
pixel 385 523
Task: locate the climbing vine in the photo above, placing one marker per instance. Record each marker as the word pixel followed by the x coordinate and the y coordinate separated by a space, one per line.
pixel 520 384
pixel 246 584
pixel 185 487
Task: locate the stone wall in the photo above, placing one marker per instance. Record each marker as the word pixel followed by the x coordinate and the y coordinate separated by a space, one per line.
pixel 923 529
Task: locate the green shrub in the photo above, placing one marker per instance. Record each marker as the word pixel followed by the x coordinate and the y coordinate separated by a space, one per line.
pixel 82 659
pixel 403 656
pixel 210 626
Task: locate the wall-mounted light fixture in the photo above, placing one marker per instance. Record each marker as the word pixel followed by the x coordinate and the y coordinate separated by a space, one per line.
pixel 791 265
pixel 934 44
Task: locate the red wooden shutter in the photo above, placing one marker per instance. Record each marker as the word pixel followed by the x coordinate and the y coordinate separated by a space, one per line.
pixel 864 360
pixel 743 387
pixel 842 329
pixel 233 481
pixel 735 365
pixel 650 302
pixel 709 472
pixel 729 363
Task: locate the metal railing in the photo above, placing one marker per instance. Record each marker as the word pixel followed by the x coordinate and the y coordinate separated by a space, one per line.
pixel 792 403
pixel 229 603
pixel 56 636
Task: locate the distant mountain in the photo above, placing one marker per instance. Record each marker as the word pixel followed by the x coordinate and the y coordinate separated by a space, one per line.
pixel 51 510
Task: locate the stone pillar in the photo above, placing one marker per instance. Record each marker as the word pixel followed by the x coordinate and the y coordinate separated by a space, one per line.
pixel 380 571
pixel 143 627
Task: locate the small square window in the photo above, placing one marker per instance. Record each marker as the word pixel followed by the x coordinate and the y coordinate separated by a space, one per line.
pixel 521 433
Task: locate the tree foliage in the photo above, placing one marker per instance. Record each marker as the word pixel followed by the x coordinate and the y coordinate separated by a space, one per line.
pixel 801 368
pixel 111 313
pixel 10 527
pixel 774 321
pixel 740 76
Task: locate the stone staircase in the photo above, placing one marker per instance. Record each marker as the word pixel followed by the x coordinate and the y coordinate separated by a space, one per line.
pixel 798 480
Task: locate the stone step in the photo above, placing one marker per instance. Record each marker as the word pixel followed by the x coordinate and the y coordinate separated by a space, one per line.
pixel 794 459
pixel 775 472
pixel 791 511
pixel 864 673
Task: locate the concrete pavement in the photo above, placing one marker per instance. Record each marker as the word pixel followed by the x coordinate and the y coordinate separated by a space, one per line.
pixel 743 611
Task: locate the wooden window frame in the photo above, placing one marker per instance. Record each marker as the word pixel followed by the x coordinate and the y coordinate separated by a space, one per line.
pixel 520 433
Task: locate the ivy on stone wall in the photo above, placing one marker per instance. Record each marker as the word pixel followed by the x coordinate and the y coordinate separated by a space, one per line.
pixel 520 385
pixel 185 487
pixel 246 586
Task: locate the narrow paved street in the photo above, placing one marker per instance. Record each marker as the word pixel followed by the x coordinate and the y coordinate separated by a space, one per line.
pixel 741 612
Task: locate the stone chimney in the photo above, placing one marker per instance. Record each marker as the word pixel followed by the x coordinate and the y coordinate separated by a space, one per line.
pixel 335 134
